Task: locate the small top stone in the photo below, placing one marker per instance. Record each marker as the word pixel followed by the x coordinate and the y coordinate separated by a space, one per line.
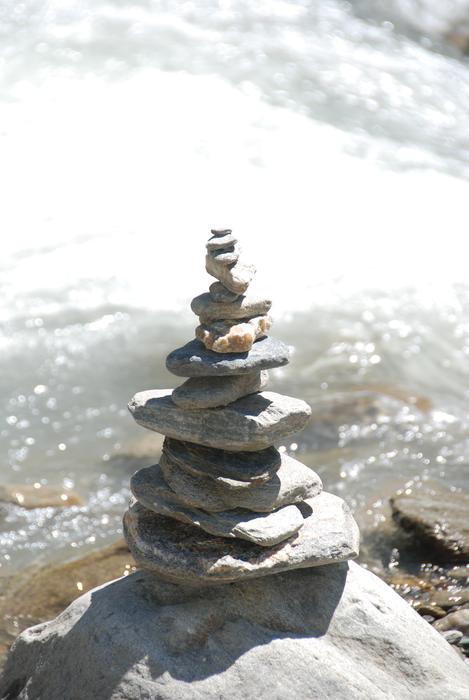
pixel 220 231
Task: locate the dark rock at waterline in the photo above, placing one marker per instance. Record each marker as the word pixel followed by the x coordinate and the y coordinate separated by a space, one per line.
pixel 334 632
pixel 437 520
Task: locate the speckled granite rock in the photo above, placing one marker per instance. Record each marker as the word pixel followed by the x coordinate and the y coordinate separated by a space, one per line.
pixel 210 392
pixel 334 632
pixel 194 360
pixel 249 424
pixel 235 277
pixel 234 469
pixel 264 529
pixel 181 553
pixel 293 483
pixel 244 307
pixel 233 336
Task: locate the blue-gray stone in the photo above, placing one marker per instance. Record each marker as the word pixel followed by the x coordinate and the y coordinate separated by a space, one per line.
pixel 193 360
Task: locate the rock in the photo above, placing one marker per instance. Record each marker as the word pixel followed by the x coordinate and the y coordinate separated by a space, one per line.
pixel 181 553
pixel 219 232
pixel 233 469
pixel 38 593
pixel 248 424
pixel 438 521
pixel 336 632
pixel 243 308
pixel 194 360
pixel 210 392
pixel 452 636
pixel 458 620
pixel 219 242
pixel 221 294
pixel 233 336
pixel 294 482
pixel 464 643
pixel 226 256
pixel 451 599
pixel 429 609
pixel 39 496
pixel 460 573
pixel 265 530
pixel 235 277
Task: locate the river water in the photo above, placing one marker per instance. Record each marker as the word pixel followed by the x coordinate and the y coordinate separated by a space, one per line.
pixel 333 137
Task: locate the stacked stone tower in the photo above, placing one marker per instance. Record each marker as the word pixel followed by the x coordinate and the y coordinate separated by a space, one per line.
pixel 224 504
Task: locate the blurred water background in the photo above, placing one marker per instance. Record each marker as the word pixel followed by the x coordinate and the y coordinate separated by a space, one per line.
pixel 333 137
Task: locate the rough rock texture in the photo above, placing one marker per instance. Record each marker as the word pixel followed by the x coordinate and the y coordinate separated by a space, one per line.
pixel 181 553
pixel 194 360
pixel 219 242
pixel 233 336
pixel 236 469
pixel 210 392
pixel 248 424
pixel 294 482
pixel 265 530
pixel 440 521
pixel 244 307
pixel 336 633
pixel 235 277
pixel 221 294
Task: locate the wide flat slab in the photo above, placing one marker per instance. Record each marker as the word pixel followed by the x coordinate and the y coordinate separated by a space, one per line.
pixel 264 529
pixel 249 424
pixel 184 554
pixel 194 360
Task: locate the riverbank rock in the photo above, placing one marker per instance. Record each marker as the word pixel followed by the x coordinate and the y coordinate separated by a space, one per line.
pixel 38 496
pixel 336 632
pixel 438 520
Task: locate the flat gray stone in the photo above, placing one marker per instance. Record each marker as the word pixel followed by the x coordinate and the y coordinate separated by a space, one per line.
pixel 210 392
pixel 438 521
pixel 235 277
pixel 293 483
pixel 221 294
pixel 219 232
pixel 244 307
pixel 180 553
pixel 219 242
pixel 265 530
pixel 226 256
pixel 194 360
pixel 250 423
pixel 236 470
pixel 334 632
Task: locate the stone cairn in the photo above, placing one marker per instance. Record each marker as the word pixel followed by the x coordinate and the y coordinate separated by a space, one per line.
pixel 224 504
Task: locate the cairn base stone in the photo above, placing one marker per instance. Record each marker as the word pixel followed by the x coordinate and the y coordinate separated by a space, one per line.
pixel 336 632
pixel 184 554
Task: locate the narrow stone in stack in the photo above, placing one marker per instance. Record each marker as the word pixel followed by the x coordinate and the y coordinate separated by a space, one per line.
pixel 223 503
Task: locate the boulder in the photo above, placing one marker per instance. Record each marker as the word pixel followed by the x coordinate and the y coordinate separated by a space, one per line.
pixel 249 424
pixel 336 632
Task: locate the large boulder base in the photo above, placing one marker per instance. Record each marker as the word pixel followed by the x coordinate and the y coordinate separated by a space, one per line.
pixel 336 632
